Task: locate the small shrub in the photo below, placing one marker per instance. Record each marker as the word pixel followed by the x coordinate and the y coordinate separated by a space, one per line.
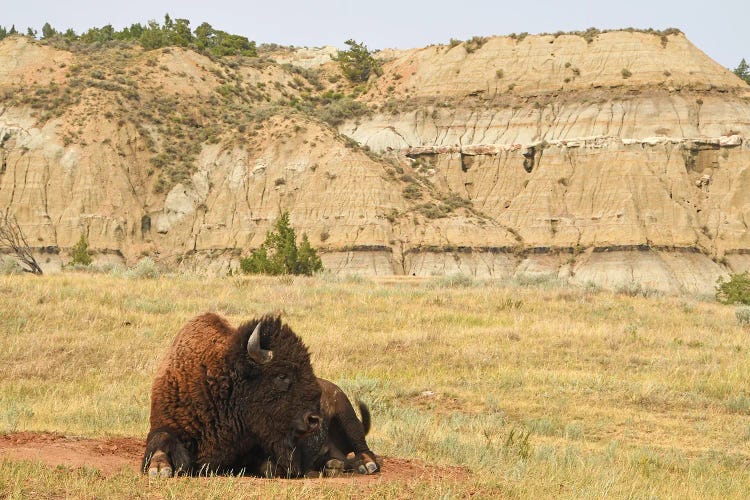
pixel 626 73
pixel 518 38
pixel 279 254
pixel 499 74
pixel 474 44
pixel 12 415
pixel 742 313
pixel 412 192
pixel 589 34
pixel 455 201
pixel 739 404
pixel 80 252
pixel 734 291
pixel 517 443
pixel 543 426
pixel 9 265
pixel 574 431
pixel 337 111
pixel 433 211
pixel 146 268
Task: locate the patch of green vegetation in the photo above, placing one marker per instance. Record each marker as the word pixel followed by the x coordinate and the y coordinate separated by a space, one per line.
pixel 152 35
pixel 279 254
pixel 52 99
pixel 743 71
pixel 735 290
pixel 80 252
pixel 412 192
pixel 454 201
pixel 433 210
pixel 333 108
pixel 475 43
pixel 520 37
pixel 357 62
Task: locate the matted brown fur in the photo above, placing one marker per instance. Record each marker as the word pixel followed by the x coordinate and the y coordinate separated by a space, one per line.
pixel 213 408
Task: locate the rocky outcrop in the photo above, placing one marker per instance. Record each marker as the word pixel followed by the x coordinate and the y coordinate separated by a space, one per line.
pixel 305 57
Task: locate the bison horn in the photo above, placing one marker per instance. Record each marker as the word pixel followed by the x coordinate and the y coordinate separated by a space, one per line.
pixel 260 356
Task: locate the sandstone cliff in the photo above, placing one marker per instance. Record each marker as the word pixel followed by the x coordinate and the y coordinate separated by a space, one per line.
pixel 614 158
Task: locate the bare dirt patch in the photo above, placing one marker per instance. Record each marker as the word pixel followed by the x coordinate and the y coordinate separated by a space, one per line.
pixel 111 455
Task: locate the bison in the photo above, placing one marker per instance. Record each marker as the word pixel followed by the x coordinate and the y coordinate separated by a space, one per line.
pixel 231 399
pixel 339 442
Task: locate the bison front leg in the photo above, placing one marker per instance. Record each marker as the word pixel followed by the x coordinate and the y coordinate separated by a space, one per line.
pixel 165 455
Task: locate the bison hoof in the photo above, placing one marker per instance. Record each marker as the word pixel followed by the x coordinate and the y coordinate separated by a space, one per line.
pixel 160 466
pixel 163 472
pixel 368 468
pixel 333 468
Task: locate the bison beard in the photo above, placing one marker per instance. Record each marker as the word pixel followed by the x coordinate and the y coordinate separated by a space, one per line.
pixel 339 444
pixel 231 400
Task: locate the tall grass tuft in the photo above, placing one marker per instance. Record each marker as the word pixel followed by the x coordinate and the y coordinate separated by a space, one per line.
pixel 455 280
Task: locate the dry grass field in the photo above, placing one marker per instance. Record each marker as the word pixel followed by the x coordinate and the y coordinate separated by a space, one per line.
pixel 496 390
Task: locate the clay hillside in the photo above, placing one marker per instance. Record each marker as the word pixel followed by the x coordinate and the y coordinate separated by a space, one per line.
pixel 611 158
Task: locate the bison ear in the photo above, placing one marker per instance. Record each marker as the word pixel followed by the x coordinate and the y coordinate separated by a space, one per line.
pixel 260 356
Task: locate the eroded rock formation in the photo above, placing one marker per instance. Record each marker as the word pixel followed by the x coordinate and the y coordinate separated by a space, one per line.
pixel 622 157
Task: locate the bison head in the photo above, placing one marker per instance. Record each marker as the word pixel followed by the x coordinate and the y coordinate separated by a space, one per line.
pixel 280 380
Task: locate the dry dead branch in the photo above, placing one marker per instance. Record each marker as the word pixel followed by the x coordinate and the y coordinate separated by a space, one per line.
pixel 13 240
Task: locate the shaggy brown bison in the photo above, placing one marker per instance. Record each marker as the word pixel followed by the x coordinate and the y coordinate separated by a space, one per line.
pixel 339 443
pixel 231 399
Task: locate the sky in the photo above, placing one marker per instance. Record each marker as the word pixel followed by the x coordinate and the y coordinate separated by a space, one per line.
pixel 719 28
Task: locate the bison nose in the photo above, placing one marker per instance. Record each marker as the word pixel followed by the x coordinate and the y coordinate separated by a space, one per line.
pixel 313 421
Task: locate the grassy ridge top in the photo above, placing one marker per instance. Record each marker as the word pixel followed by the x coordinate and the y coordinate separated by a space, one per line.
pixel 152 35
pixel 537 391
pixel 166 105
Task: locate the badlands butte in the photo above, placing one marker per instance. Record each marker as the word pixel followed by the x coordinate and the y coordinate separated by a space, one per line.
pixel 612 158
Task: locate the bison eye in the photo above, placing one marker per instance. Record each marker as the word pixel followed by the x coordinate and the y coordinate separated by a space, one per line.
pixel 282 382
